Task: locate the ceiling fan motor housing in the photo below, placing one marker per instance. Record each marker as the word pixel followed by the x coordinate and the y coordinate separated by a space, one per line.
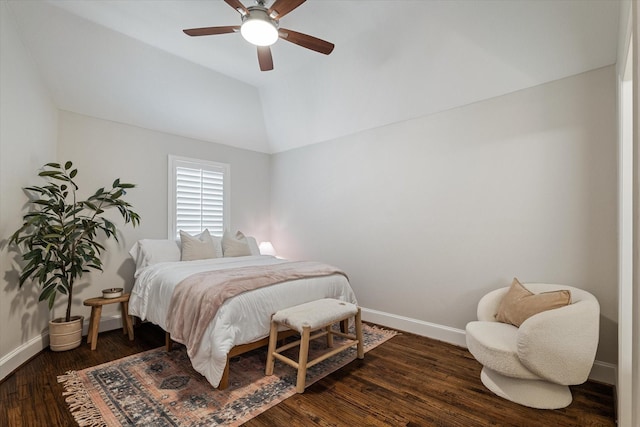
pixel 258 27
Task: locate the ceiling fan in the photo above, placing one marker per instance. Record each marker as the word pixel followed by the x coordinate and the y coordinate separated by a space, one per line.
pixel 260 26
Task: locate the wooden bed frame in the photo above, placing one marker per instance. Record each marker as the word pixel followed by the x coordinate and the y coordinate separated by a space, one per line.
pixel 243 348
pixel 235 351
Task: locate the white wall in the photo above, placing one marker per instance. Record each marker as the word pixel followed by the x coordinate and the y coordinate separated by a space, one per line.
pixel 429 214
pixel 103 151
pixel 635 397
pixel 443 54
pixel 103 73
pixel 27 141
pixel 627 350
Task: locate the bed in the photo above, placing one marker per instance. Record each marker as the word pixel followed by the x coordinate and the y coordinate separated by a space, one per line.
pixel 241 322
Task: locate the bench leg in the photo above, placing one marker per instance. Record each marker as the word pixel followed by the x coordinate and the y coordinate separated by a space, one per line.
pixel 273 339
pixel 359 334
pixel 127 325
pixel 90 327
pixel 344 326
pixel 329 336
pixel 92 338
pixel 302 360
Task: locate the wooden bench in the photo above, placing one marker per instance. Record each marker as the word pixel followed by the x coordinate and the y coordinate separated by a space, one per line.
pixel 96 311
pixel 307 318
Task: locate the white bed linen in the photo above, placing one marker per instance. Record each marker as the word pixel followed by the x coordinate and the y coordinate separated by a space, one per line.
pixel 240 320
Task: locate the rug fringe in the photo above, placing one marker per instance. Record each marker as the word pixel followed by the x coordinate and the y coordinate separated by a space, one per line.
pixel 387 334
pixel 381 330
pixel 80 404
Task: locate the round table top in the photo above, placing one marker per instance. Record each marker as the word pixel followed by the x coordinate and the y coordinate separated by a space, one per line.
pixel 101 300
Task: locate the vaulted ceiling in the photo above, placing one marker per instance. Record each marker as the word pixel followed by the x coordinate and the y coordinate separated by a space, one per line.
pixel 129 61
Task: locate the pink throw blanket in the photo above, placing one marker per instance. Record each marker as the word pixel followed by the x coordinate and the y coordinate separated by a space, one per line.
pixel 196 300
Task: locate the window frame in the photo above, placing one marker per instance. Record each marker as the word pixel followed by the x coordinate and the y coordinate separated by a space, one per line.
pixel 175 162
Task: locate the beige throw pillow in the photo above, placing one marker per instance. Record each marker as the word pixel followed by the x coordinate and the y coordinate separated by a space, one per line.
pixel 235 245
pixel 194 248
pixel 520 303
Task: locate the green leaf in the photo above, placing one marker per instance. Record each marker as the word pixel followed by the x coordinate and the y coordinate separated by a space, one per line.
pixel 60 177
pixel 52 236
pixel 73 173
pixel 68 165
pixel 116 183
pixel 90 205
pixel 52 299
pixel 26 274
pixel 36 189
pixel 47 290
pixel 53 165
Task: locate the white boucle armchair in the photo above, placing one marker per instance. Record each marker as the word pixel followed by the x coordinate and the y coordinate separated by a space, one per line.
pixel 533 365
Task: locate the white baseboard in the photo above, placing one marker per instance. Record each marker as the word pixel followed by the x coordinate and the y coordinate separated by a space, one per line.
pixel 602 372
pixel 106 324
pixel 415 326
pixel 35 345
pixel 12 361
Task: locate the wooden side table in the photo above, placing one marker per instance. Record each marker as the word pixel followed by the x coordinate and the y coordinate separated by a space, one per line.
pixel 96 310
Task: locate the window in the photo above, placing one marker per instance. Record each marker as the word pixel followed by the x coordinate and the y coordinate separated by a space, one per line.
pixel 198 196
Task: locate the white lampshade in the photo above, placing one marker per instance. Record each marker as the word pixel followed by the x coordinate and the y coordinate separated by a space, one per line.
pixel 266 248
pixel 259 30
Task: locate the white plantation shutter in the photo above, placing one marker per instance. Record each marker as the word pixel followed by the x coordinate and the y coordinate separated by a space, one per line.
pixel 199 199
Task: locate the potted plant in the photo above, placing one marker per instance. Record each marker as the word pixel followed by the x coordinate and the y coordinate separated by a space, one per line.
pixel 60 240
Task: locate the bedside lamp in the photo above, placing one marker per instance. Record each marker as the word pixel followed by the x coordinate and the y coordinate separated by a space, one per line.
pixel 266 248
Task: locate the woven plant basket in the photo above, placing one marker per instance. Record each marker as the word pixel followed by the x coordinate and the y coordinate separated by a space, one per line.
pixel 65 335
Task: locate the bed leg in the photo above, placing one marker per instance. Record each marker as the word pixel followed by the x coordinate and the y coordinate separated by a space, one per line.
pixel 168 342
pixel 224 381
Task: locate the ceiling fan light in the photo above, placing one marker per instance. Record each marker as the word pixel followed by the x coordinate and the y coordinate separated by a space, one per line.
pixel 259 31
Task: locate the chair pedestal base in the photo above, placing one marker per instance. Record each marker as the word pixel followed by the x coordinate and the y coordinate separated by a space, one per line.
pixel 537 394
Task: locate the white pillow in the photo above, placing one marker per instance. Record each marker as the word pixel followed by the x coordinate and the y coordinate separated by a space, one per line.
pixel 197 247
pixel 146 252
pixel 253 246
pixel 237 245
pixel 217 242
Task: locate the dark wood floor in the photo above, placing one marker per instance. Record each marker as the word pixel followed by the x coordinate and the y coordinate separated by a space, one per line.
pixel 408 381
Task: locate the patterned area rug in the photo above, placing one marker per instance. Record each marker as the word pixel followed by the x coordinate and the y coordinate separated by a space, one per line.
pixel 159 388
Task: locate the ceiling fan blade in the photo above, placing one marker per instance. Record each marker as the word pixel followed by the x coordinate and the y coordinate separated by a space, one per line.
pixel 282 7
pixel 208 31
pixel 237 6
pixel 264 58
pixel 306 40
